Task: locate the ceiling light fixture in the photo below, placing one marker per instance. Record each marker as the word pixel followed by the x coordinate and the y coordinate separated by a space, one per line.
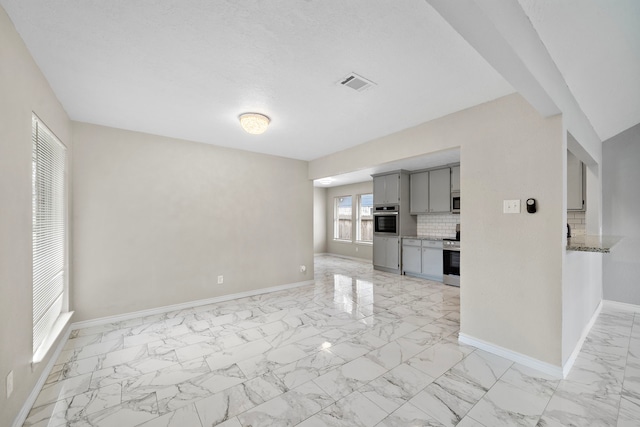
pixel 325 181
pixel 254 123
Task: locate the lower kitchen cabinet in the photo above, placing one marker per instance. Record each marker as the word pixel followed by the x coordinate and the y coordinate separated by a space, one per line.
pixel 422 258
pixel 432 259
pixel 386 253
pixel 412 256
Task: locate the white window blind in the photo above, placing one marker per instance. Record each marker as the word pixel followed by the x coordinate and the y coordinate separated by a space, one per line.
pixel 48 176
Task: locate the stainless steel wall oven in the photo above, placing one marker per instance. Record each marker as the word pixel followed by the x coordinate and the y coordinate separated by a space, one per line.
pixel 386 220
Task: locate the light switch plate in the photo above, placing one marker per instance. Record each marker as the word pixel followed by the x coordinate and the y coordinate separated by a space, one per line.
pixel 511 206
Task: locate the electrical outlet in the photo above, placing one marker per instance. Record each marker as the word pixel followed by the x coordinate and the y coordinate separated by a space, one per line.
pixel 220 280
pixel 9 384
pixel 511 206
pixel 303 269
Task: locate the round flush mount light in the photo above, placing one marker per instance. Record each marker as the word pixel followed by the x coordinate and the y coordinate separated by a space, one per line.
pixel 325 181
pixel 254 123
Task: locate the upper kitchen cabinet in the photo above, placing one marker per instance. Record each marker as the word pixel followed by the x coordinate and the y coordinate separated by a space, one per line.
pixel 386 189
pixel 419 193
pixel 575 183
pixel 430 192
pixel 455 179
pixel 440 191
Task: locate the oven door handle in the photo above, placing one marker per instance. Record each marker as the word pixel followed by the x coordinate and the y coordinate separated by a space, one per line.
pixel 385 213
pixel 452 249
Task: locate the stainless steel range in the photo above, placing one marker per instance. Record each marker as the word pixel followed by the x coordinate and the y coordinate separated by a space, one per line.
pixel 451 260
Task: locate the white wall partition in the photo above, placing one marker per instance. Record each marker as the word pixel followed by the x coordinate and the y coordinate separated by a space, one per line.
pixel 511 273
pixel 319 220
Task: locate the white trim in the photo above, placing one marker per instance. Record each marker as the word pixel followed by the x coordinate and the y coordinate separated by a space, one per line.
pixel 576 351
pixel 547 368
pixel 559 372
pixel 56 330
pixel 184 305
pixel 365 260
pixel 622 306
pixel 28 404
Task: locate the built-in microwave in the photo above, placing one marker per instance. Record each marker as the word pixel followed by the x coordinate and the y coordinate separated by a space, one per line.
pixel 455 202
pixel 386 220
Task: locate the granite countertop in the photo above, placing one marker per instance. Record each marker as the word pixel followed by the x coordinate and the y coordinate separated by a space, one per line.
pixel 592 243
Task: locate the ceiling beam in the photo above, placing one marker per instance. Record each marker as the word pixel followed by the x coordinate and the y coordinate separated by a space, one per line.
pixel 502 33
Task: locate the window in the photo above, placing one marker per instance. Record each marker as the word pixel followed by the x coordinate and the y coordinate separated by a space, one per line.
pixel 49 230
pixel 342 218
pixel 365 218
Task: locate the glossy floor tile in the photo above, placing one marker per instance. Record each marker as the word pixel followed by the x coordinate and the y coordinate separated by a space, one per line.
pixel 357 348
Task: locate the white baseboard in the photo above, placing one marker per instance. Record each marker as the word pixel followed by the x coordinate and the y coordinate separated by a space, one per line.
pixel 28 404
pixel 347 257
pixel 547 368
pixel 183 306
pixel 576 351
pixel 559 372
pixel 623 306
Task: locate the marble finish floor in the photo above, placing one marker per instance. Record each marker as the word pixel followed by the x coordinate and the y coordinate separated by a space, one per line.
pixel 357 348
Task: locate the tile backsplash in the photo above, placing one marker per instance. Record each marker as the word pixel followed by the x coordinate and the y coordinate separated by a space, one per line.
pixel 577 222
pixel 444 225
pixel 438 225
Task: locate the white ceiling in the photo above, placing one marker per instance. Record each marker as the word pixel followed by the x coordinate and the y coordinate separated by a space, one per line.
pixel 596 46
pixel 187 69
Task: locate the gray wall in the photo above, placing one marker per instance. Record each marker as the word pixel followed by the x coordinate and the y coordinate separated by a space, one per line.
pixel 23 90
pixel 621 215
pixel 319 220
pixel 158 219
pixel 338 247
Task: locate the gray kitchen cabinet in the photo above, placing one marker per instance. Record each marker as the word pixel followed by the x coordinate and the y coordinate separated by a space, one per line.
pixel 432 259
pixel 440 190
pixel 412 256
pixel 419 193
pixel 379 190
pixel 386 189
pixel 575 183
pixel 422 258
pixel 386 253
pixel 430 192
pixel 379 251
pixel 455 179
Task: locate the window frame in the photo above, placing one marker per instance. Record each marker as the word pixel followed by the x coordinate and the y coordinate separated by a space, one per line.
pixel 336 219
pixel 48 325
pixel 358 222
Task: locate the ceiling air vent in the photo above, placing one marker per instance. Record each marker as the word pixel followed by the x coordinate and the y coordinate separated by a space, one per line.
pixel 356 82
